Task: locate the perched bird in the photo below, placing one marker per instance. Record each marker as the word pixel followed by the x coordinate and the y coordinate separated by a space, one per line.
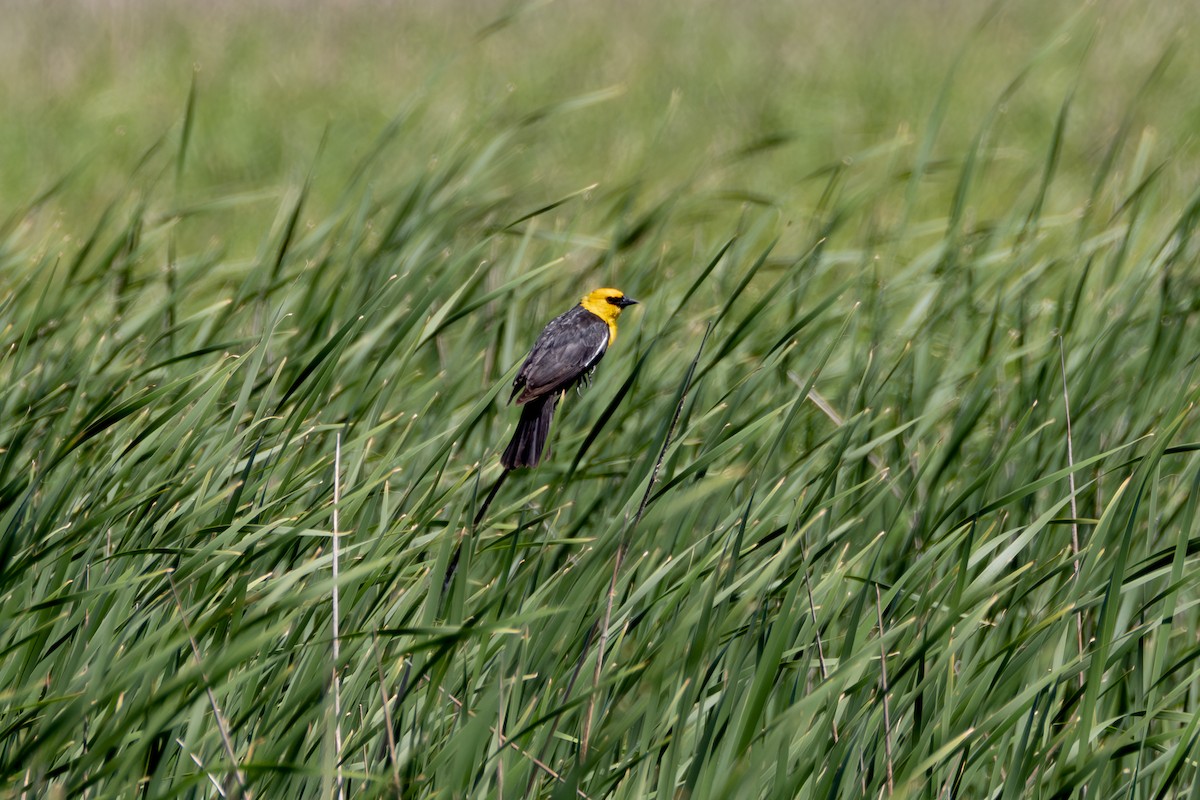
pixel 564 355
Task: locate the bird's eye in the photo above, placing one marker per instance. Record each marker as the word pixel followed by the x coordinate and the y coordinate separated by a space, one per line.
pixel 616 301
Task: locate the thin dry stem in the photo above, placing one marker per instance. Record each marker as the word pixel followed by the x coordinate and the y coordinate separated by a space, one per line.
pixel 387 715
pixel 222 727
pixel 1062 357
pixel 500 739
pixel 196 760
pixel 537 762
pixel 887 714
pixel 612 586
pixel 612 593
pixel 818 400
pixel 812 610
pixel 337 648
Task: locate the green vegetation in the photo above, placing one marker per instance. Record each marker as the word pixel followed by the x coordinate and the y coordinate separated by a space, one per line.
pixel 890 488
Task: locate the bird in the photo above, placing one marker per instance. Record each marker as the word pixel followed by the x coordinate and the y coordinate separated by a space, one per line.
pixel 564 355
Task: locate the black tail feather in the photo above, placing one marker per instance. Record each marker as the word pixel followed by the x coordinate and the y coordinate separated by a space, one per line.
pixel 533 430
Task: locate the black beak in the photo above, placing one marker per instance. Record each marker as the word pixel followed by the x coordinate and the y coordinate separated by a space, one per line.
pixel 627 301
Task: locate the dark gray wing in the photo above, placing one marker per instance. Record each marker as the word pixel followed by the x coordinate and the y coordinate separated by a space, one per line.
pixel 567 349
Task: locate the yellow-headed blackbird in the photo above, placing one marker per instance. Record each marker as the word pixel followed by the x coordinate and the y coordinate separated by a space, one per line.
pixel 565 354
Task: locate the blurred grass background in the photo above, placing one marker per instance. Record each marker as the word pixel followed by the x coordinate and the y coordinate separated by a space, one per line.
pixel 89 87
pixel 822 528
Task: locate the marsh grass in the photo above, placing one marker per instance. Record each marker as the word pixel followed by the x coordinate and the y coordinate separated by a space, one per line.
pixel 821 527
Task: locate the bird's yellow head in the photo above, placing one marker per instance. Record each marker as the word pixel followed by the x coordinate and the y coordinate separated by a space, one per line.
pixel 607 304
